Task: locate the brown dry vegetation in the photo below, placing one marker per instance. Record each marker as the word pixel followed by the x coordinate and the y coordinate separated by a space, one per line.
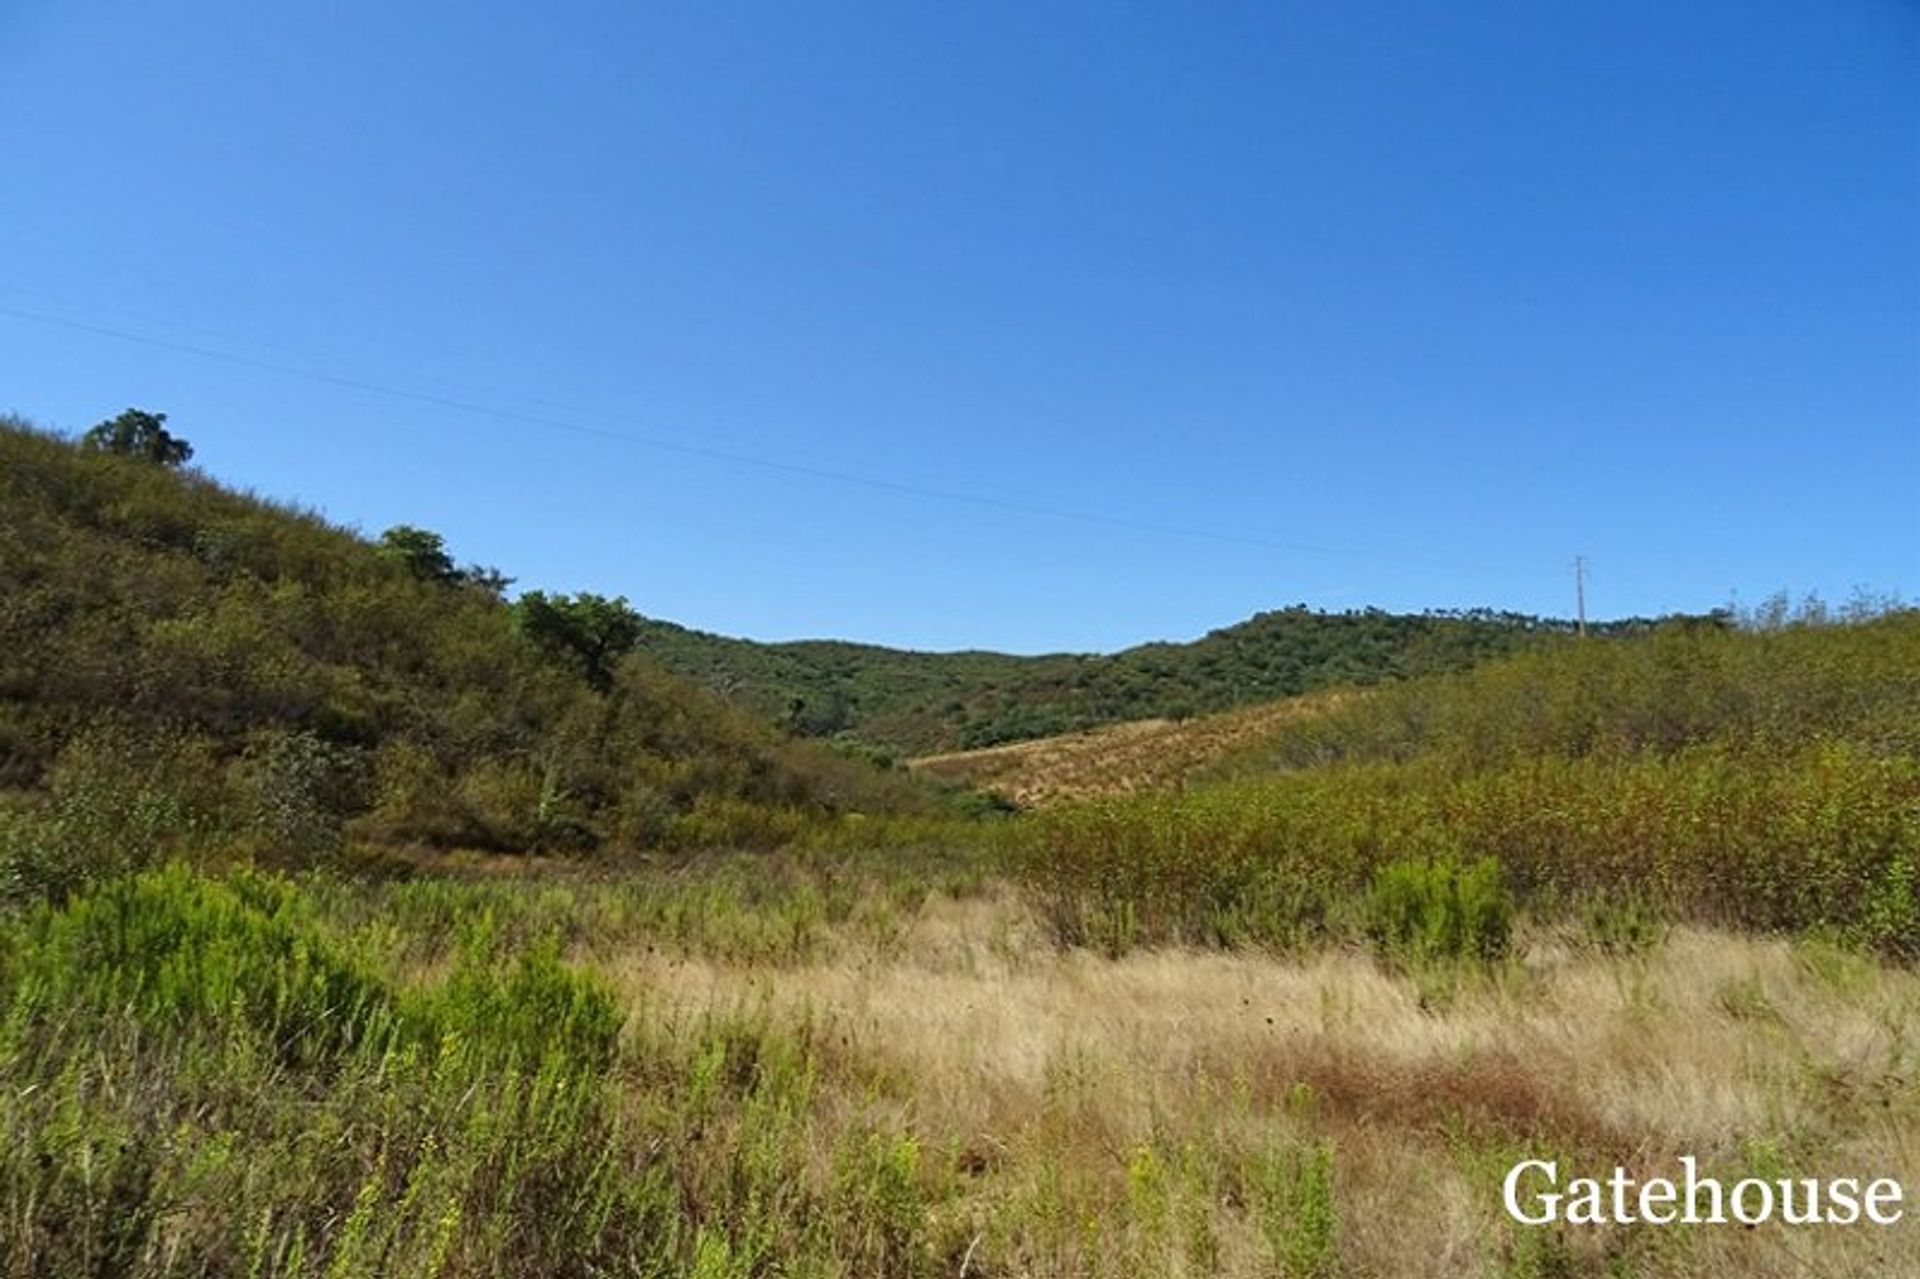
pixel 1091 1115
pixel 757 1069
pixel 1124 759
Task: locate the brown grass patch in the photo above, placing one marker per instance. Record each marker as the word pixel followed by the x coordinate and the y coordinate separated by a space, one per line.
pixel 1121 759
pixel 1029 1068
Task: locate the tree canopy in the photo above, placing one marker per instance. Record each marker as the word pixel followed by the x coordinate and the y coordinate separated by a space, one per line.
pixel 138 433
pixel 423 553
pixel 590 630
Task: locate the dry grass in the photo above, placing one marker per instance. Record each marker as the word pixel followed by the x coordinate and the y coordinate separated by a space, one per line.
pixel 1037 1070
pixel 1123 759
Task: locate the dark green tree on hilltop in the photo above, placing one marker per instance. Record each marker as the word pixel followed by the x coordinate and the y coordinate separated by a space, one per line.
pixel 591 631
pixel 424 553
pixel 138 433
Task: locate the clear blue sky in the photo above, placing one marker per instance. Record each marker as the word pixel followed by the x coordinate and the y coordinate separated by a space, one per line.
pixel 1404 304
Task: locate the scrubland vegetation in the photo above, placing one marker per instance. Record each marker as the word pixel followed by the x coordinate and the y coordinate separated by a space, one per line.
pixel 356 922
pixel 810 1068
pixel 1120 759
pixel 908 703
pixel 1768 781
pixel 185 670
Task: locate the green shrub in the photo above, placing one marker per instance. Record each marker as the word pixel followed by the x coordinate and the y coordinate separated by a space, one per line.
pixel 297 791
pixel 183 954
pixel 532 1011
pixel 1293 1203
pixel 116 800
pixel 203 1067
pixel 1421 911
pixel 1891 919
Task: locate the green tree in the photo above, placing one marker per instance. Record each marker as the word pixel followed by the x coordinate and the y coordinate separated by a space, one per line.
pixel 138 433
pixel 424 553
pixel 486 578
pixel 592 631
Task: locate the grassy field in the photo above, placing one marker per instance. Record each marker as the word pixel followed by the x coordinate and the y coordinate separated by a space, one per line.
pixel 813 1067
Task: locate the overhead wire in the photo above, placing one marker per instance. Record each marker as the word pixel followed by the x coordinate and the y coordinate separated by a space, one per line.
pixel 471 405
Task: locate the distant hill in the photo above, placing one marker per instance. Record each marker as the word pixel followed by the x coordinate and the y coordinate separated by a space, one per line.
pixel 1122 759
pixel 914 703
pixel 209 663
pixel 1760 687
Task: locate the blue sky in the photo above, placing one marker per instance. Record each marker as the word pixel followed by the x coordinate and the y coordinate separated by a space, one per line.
pixel 1003 325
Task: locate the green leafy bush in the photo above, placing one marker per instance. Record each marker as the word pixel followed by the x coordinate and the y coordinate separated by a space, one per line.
pixel 523 1014
pixel 184 955
pixel 1438 910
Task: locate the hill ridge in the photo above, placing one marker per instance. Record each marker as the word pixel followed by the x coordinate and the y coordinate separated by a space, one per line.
pixel 915 702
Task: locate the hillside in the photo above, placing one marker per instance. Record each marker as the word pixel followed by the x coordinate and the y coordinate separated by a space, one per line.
pixel 1121 759
pixel 1763 778
pixel 916 703
pixel 184 664
pixel 1680 685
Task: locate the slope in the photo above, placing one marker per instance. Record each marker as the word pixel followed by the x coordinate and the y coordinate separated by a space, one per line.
pixel 179 660
pixel 1122 759
pixel 917 703
pixel 1766 778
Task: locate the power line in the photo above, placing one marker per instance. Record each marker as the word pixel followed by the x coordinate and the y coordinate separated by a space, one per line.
pixel 474 406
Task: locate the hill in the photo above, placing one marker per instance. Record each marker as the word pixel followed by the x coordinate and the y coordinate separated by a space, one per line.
pixel 1121 759
pixel 182 664
pixel 1767 778
pixel 917 703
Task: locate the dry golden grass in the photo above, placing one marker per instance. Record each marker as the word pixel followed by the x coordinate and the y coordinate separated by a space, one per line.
pixel 1121 759
pixel 1045 1076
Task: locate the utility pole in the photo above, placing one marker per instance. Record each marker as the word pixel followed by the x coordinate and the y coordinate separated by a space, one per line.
pixel 1580 592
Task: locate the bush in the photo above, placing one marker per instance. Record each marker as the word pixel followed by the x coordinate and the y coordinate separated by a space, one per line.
pixel 298 791
pixel 1439 910
pixel 185 955
pixel 203 1069
pixel 116 800
pixel 534 1011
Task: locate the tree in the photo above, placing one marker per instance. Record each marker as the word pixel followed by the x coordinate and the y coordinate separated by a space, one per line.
pixel 424 553
pixel 589 630
pixel 137 433
pixel 486 578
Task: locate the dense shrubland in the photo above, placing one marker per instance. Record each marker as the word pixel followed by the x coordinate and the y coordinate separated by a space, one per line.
pixel 1766 780
pixel 187 670
pixel 1766 687
pixel 925 703
pixel 227 1077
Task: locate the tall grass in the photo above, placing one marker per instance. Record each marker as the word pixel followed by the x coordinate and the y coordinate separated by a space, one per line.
pixel 216 1076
